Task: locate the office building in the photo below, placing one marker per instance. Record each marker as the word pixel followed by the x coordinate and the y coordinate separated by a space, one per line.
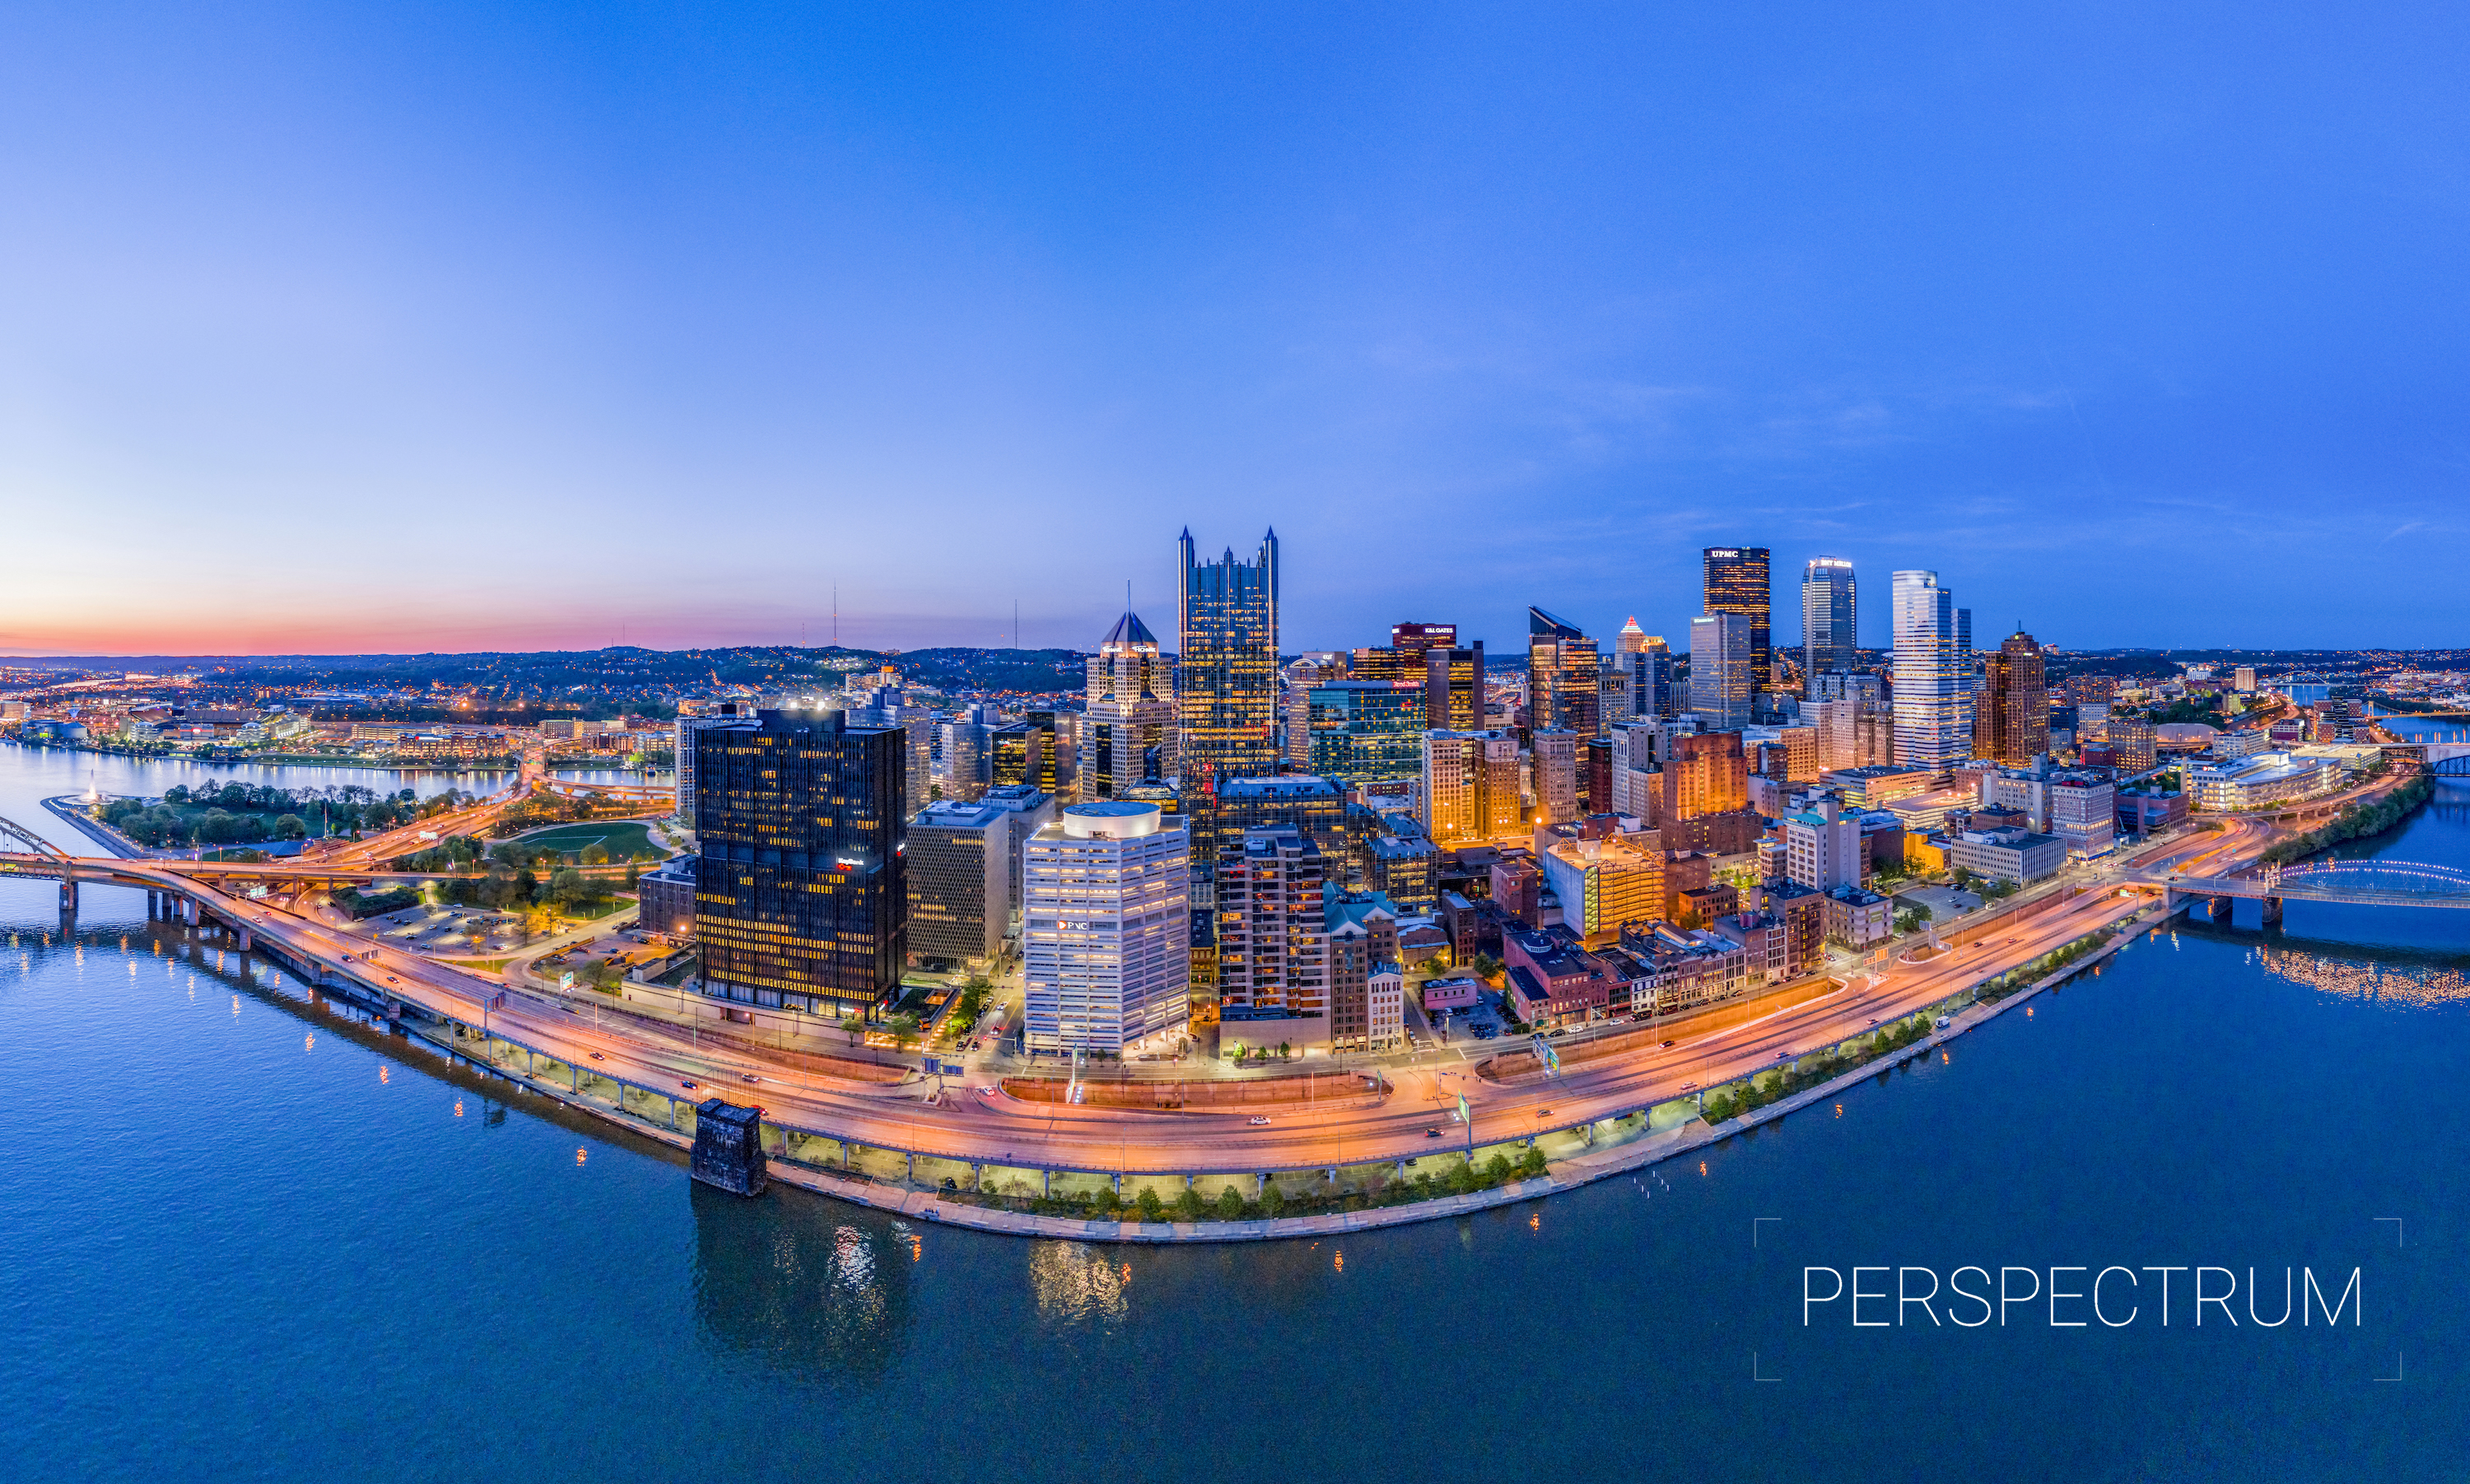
pixel 1297 801
pixel 1105 928
pixel 2243 680
pixel 800 897
pixel 1470 785
pixel 1605 880
pixel 664 899
pixel 960 871
pixel 1703 774
pixel 1933 676
pixel 1736 585
pixel 1721 689
pixel 2015 715
pixel 1561 675
pixel 2263 779
pixel 1365 732
pixel 1453 687
pixel 1128 727
pixel 1857 919
pixel 1227 679
pixel 1830 639
pixel 2007 854
pixel 1554 757
pixel 1631 639
pixel 1418 639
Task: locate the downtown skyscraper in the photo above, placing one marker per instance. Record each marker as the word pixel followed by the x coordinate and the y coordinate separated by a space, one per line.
pixel 1561 675
pixel 2014 724
pixel 1828 637
pixel 1933 667
pixel 1227 680
pixel 1127 732
pixel 1737 583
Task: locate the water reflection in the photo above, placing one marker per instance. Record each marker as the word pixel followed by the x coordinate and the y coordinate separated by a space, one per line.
pixel 808 1285
pixel 2419 984
pixel 1074 1281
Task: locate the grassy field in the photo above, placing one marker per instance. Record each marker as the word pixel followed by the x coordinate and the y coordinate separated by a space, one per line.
pixel 622 837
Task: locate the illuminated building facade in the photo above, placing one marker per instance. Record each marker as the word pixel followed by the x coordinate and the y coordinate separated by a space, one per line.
pixel 1127 732
pixel 801 897
pixel 1105 928
pixel 1453 687
pixel 1827 616
pixel 2015 713
pixel 1365 731
pixel 1470 785
pixel 1561 675
pixel 1227 679
pixel 1737 583
pixel 1722 674
pixel 1933 690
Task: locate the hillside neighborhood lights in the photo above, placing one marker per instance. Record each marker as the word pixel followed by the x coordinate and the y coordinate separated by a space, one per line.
pixel 2112 1297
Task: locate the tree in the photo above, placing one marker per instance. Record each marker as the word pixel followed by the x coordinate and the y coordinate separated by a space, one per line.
pixel 1272 1200
pixel 567 887
pixel 1230 1204
pixel 1187 1206
pixel 596 854
pixel 1150 1208
pixel 1532 1163
pixel 903 1029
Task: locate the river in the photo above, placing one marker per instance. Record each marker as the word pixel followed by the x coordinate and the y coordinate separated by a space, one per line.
pixel 246 1235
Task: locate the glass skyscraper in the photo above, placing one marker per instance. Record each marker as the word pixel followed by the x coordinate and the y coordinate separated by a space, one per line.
pixel 1367 732
pixel 1720 671
pixel 1561 679
pixel 1737 583
pixel 1933 676
pixel 1829 636
pixel 1226 682
pixel 800 897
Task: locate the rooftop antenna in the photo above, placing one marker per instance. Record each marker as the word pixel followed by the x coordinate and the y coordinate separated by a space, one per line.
pixel 836 614
pixel 1016 623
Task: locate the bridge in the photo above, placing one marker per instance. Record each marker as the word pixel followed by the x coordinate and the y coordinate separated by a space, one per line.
pixel 624 793
pixel 2444 759
pixel 2361 883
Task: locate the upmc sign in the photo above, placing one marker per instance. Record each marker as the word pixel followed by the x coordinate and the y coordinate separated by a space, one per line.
pixel 1723 551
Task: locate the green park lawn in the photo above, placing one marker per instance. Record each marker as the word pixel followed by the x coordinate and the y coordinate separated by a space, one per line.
pixel 623 838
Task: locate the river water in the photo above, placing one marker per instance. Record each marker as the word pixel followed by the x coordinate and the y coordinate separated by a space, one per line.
pixel 243 1235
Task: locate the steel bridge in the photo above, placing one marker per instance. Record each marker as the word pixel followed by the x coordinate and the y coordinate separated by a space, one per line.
pixel 2360 883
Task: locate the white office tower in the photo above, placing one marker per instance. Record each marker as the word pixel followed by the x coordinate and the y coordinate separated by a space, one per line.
pixel 1827 615
pixel 1107 928
pixel 1933 676
pixel 1720 678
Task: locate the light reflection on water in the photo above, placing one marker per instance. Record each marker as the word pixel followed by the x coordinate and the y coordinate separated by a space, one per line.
pixel 1074 1282
pixel 2419 986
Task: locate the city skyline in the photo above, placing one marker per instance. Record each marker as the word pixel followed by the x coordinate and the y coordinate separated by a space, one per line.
pixel 297 366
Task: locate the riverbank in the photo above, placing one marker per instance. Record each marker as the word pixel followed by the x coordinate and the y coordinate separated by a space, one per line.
pixel 2356 822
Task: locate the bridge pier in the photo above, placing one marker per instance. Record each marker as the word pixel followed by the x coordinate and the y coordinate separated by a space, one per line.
pixel 2221 911
pixel 2273 912
pixel 68 893
pixel 243 939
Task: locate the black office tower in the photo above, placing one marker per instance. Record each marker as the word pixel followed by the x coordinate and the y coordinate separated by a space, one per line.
pixel 799 900
pixel 1737 584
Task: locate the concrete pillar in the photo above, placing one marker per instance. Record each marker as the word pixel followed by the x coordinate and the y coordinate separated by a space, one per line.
pixel 154 905
pixel 912 1175
pixel 977 1177
pixel 245 940
pixel 68 893
pixel 1118 1179
pixel 2273 912
pixel 2221 911
pixel 1046 1182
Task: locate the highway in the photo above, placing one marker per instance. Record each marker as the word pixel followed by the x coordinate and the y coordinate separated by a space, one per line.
pixel 998 1129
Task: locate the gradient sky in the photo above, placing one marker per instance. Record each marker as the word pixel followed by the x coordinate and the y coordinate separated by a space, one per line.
pixel 459 326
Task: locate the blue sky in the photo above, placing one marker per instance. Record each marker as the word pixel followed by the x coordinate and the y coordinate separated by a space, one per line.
pixel 494 326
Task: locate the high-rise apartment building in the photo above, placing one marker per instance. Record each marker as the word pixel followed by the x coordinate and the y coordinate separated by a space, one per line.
pixel 1470 785
pixel 1933 676
pixel 1823 848
pixel 2015 714
pixel 1365 731
pixel 1291 800
pixel 1555 756
pixel 1105 928
pixel 1227 676
pixel 1453 687
pixel 1855 731
pixel 1296 700
pixel 1271 929
pixel 801 899
pixel 1721 671
pixel 1737 583
pixel 1561 665
pixel 1829 635
pixel 1127 732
